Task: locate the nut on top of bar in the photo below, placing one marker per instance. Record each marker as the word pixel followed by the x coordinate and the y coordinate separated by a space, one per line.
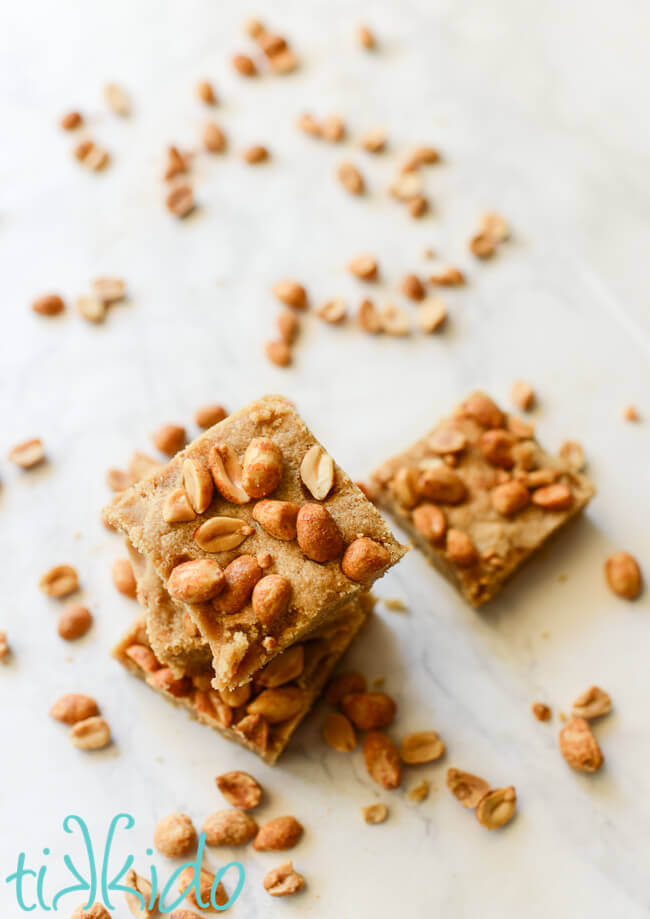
pixel 258 533
pixel 479 495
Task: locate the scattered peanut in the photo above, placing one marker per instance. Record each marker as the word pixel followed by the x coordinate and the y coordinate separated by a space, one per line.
pixel 421 747
pixel 28 454
pixel 283 881
pixel 497 807
pixel 48 305
pixel 382 760
pixel 169 438
pixel 338 733
pixel 579 747
pixel 90 734
pixel 623 575
pixel 175 835
pixel 351 179
pixel 541 711
pixel 466 788
pixel 374 813
pixel 592 703
pixel 124 578
pixel 208 415
pixel 240 789
pixel 278 834
pixel 74 622
pixel 59 581
pixel 229 827
pixel 74 707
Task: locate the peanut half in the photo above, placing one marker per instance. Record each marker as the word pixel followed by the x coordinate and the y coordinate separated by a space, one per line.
pixel 74 707
pixel 382 760
pixel 177 507
pixel 227 474
pixel 317 472
pixel 198 484
pixel 283 881
pixel 497 807
pixel 369 710
pixel 90 734
pixel 277 705
pixel 579 747
pixel 374 813
pixel 338 733
pixel 592 703
pixel 240 789
pixel 466 787
pixel 219 534
pixel 28 454
pixel 59 581
pixel 421 747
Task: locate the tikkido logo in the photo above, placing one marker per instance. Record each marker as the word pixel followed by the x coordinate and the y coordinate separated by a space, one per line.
pixel 96 881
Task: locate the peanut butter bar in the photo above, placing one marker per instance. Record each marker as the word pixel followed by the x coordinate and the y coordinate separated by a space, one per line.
pixel 261 715
pixel 479 495
pixel 257 534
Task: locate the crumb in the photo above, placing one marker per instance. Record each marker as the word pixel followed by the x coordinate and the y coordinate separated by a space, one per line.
pixel 630 413
pixel 419 792
pixel 395 606
pixel 540 711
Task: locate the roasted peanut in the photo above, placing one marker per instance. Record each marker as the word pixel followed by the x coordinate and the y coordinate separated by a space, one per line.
pixel 318 534
pixel 278 518
pixel 196 581
pixel 382 760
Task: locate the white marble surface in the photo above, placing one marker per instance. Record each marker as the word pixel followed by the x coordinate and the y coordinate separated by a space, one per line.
pixel 540 110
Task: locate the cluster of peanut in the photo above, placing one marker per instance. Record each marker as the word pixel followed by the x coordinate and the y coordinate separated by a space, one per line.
pixel 505 444
pixel 255 477
pixel 93 307
pixel 88 730
pixel 253 711
pixel 372 712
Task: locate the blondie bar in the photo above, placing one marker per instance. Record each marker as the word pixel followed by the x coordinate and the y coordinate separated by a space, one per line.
pixel 479 495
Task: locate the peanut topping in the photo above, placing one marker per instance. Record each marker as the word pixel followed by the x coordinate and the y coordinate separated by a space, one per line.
pixel 244 65
pixel 241 576
pixel 229 828
pixel 447 440
pixel 382 760
pixel 283 881
pixel 59 581
pixel 523 395
pixel 74 622
pixel 262 467
pixel 284 668
pixel 220 534
pixel 556 497
pixel 460 548
pixel 277 705
pixel 374 813
pixel 441 484
pixel 509 498
pixel 196 581
pixel 198 484
pixel 175 836
pixel 541 711
pixel 143 657
pixel 364 559
pixel 363 267
pixel 412 287
pixel 124 578
pixel 483 410
pixel 368 317
pixel 291 293
pixel 48 305
pixel 592 703
pixel 404 486
pixel 278 518
pixel 180 200
pixel 74 707
pixel 421 747
pixel 227 474
pixel 465 787
pixel 497 807
pixel 317 472
pixel 429 520
pixel 170 438
pixel 351 179
pixel 239 789
pixel 90 734
pixel 278 352
pixel 214 140
pixel 369 710
pixel 579 747
pixel 28 454
pixel 623 575
pixel 338 733
pixel 271 598
pixel 318 534
pixel 496 445
pixel 344 684
pixel 177 508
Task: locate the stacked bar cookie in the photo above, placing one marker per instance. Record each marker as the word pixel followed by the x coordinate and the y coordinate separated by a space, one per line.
pixel 253 553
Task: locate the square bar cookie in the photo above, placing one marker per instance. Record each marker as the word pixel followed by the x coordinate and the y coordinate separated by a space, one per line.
pixel 478 495
pixel 257 533
pixel 261 715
